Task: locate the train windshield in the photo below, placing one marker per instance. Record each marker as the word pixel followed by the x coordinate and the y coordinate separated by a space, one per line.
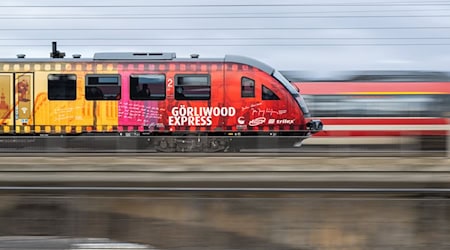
pixel 285 82
pixel 301 102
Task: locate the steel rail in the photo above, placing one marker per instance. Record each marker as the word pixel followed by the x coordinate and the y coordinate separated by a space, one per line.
pixel 247 153
pixel 201 189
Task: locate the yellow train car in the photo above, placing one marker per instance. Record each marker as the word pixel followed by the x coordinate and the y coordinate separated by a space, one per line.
pixel 41 97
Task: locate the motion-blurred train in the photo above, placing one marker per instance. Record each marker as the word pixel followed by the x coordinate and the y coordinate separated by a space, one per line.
pixel 171 104
pixel 379 107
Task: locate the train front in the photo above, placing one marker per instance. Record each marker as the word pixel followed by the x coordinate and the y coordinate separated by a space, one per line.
pixel 312 125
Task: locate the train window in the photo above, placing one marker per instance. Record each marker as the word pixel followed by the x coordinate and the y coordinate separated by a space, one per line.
pixel 148 87
pixel 268 94
pixel 247 87
pixel 62 87
pixel 102 87
pixel 192 87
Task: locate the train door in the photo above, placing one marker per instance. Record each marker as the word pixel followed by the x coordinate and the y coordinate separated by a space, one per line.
pixel 241 94
pixel 16 102
pixel 6 103
pixel 23 97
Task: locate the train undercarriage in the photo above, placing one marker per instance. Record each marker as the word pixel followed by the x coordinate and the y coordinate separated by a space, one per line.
pixel 170 143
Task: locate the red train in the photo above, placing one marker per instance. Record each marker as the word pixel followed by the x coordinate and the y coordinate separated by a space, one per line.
pixel 171 104
pixel 380 107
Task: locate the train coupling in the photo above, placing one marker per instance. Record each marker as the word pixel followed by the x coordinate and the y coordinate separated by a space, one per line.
pixel 314 126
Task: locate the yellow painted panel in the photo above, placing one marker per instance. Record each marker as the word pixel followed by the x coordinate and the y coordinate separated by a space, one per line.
pixel 24 88
pixel 79 112
pixel 48 112
pixel 107 112
pixel 23 106
pixel 6 100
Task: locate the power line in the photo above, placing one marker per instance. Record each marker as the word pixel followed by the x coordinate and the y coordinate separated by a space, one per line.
pixel 226 28
pixel 233 45
pixel 223 39
pixel 373 4
pixel 304 12
pixel 330 11
pixel 216 17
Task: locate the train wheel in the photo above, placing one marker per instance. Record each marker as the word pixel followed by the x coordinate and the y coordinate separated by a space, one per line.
pixel 203 144
pixel 232 149
pixel 166 145
pixel 216 145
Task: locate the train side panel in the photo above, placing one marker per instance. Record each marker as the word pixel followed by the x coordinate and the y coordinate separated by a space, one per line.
pixel 6 102
pixel 102 109
pixel 196 99
pixel 201 87
pixel 61 105
pixel 262 103
pixel 16 101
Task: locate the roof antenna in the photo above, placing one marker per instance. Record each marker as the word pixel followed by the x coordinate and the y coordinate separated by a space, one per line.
pixel 55 53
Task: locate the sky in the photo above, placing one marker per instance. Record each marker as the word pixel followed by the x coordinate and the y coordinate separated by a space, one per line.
pixel 315 35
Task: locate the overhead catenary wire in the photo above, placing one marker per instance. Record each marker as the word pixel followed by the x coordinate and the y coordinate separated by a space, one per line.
pixel 225 39
pixel 217 17
pixel 226 28
pixel 192 29
pixel 372 4
pixel 441 9
pixel 233 45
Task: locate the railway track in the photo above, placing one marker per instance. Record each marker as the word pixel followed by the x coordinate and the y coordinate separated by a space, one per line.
pixel 226 189
pixel 111 145
pixel 244 153
pixel 250 181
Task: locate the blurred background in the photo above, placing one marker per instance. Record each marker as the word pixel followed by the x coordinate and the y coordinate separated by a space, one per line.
pixel 377 177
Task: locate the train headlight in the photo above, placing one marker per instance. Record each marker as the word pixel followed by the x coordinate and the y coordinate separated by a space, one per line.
pixel 314 126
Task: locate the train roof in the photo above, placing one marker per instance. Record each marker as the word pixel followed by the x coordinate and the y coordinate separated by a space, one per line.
pixel 142 57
